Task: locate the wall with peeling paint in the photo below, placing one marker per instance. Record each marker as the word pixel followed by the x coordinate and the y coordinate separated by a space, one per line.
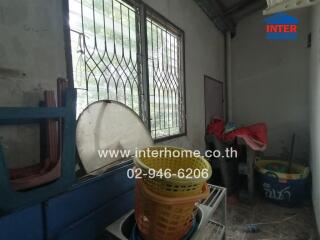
pixel 31 59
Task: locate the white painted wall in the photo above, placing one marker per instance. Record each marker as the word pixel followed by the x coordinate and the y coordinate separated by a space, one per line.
pixel 32 45
pixel 315 110
pixel 204 54
pixel 270 84
pixel 31 59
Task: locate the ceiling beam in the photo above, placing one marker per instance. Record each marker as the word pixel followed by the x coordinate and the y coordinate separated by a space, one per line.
pixel 248 10
pixel 239 6
pixel 225 19
pixel 214 9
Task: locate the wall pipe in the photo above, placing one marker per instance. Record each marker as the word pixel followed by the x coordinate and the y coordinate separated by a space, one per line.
pixel 228 77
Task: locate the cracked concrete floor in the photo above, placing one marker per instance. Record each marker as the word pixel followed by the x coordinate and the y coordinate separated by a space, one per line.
pixel 274 222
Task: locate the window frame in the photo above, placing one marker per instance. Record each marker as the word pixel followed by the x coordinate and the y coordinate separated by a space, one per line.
pixel 143 11
pixel 175 29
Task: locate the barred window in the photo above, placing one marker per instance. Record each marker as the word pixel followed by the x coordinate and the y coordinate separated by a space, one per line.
pixel 111 43
pixel 165 78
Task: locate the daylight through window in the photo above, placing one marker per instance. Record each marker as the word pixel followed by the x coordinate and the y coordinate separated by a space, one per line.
pixel 107 62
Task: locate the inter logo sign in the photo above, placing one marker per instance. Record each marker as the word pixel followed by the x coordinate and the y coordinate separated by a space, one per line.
pixel 281 26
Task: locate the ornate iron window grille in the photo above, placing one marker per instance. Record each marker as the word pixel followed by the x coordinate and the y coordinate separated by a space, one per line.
pixel 166 89
pixel 107 40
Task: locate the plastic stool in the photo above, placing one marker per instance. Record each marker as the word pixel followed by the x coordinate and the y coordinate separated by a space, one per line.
pixel 11 199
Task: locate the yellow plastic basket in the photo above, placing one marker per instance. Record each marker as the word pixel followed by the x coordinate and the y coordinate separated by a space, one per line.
pixel 160 217
pixel 188 173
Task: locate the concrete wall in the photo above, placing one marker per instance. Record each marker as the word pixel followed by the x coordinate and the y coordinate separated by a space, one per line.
pixel 31 59
pixel 315 112
pixel 270 84
pixel 204 54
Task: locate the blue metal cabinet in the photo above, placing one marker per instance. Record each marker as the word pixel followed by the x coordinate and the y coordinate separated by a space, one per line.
pixel 23 225
pixel 81 213
pixel 85 211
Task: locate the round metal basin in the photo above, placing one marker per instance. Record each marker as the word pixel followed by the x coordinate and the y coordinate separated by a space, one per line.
pixel 128 223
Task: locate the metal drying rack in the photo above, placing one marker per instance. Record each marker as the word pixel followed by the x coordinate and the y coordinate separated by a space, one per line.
pixel 214 210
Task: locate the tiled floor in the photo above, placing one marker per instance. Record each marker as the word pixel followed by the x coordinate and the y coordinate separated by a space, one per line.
pixel 273 222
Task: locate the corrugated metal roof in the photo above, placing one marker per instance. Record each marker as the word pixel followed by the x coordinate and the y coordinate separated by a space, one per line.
pixel 227 13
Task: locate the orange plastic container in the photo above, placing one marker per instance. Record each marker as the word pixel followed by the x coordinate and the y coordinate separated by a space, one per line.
pixel 159 217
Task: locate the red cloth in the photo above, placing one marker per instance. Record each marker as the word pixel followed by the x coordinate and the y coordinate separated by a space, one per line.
pixel 254 135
